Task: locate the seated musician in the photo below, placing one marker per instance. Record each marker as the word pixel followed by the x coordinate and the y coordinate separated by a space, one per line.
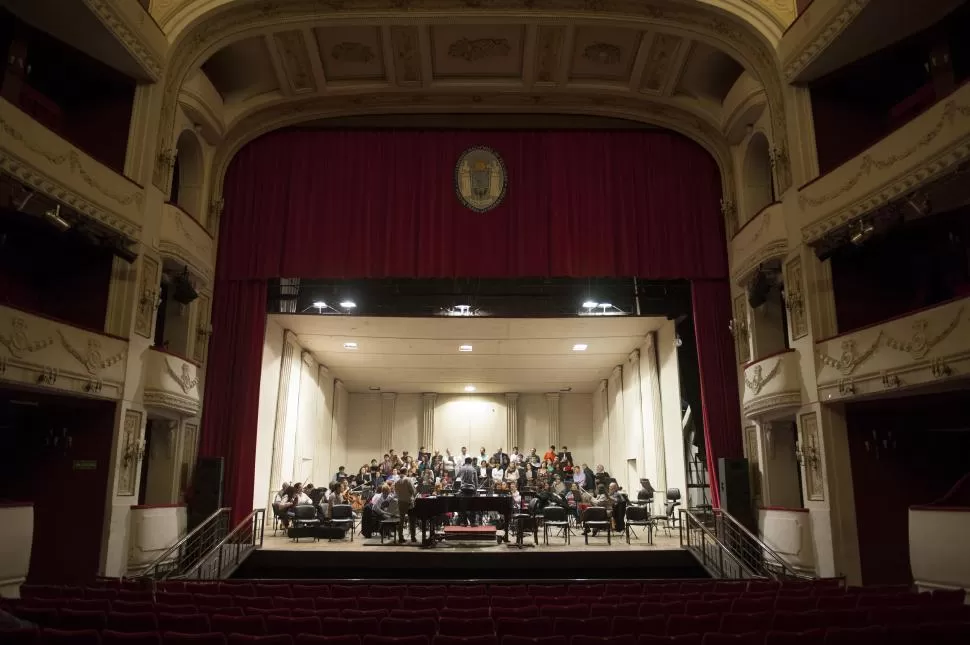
pixel 558 487
pixel 574 498
pixel 287 501
pixel 619 499
pixel 380 502
pixel 515 495
pixel 604 500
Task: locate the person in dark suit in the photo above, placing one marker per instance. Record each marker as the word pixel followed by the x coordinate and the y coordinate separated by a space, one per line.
pixel 501 458
pixel 564 455
pixel 467 483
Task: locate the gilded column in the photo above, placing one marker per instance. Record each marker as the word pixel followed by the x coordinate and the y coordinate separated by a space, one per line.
pixel 388 400
pixel 427 424
pixel 552 402
pixel 511 420
pixel 279 426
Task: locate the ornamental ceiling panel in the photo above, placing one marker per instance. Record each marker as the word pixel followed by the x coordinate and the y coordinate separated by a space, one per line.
pixel 477 51
pixel 661 62
pixel 351 53
pixel 242 70
pixel 601 53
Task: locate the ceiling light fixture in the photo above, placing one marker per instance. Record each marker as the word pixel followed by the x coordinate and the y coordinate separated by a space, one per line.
pixel 861 234
pixel 580 347
pixel 320 304
pixel 350 345
pixel 374 388
pixel 465 348
pixel 348 304
pixel 590 304
pixel 469 388
pixel 463 310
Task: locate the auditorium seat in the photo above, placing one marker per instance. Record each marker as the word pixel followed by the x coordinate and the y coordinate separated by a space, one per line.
pixel 535 640
pixel 685 639
pixel 496 591
pixel 466 602
pixel 319 613
pixel 382 591
pixel 326 602
pixel 75 619
pixel 293 626
pixel 426 590
pixel 174 598
pixel 805 603
pixel 587 590
pixel 387 602
pixel 745 623
pixel 371 639
pixel 249 639
pixel 344 626
pixel 409 627
pixel 272 611
pixel 414 613
pixel 73 637
pixel 378 614
pixel 547 590
pixel 466 590
pixel 132 606
pixel 225 611
pixel 237 588
pixel 132 622
pixel 523 627
pixel 752 605
pixel 431 602
pixel 326 639
pixel 109 637
pixel 750 638
pixel 287 602
pixel 810 637
pixel 528 611
pixel 257 602
pixel 706 607
pixel 175 638
pixel 623 589
pixel 212 600
pixel 692 624
pixel 510 601
pixel 462 613
pixel 623 625
pixel 310 591
pixel 184 623
pixel 272 591
pixel 873 635
pixel 564 611
pixel 625 639
pixel 41 591
pixel 796 621
pixel 482 639
pixel 175 586
pixel 253 625
pixel 20 636
pixel 208 588
pixel 581 626
pixel 100 593
pixel 597 610
pixel 466 627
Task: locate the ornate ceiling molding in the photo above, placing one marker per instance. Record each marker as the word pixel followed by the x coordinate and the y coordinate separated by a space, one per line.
pixel 129 35
pixel 311 109
pixel 825 34
pixel 206 27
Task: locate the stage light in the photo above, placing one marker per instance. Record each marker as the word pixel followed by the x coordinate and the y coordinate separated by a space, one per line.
pixel 348 304
pixel 465 348
pixel 862 233
pixel 350 345
pixel 469 388
pixel 320 304
pixel 580 347
pixel 590 304
pixel 53 216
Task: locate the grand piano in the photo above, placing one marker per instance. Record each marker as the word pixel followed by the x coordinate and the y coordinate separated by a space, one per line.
pixel 427 509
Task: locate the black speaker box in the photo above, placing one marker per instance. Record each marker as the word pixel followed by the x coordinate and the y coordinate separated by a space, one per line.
pixel 734 485
pixel 206 497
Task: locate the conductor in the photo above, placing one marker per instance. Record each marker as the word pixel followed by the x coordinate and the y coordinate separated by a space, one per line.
pixel 467 483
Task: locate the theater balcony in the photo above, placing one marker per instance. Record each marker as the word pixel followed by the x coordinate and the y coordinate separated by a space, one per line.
pixel 772 386
pixel 46 353
pixel 925 149
pixel 829 34
pixel 762 238
pixel 171 384
pixel 921 351
pixel 119 33
pixel 183 239
pixel 51 165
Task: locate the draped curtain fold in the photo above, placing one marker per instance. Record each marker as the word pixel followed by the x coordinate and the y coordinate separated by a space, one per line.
pixel 372 204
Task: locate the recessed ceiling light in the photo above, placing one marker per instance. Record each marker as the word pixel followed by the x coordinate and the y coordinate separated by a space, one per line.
pixel 348 304
pixel 374 388
pixel 580 347
pixel 350 345
pixel 320 304
pixel 469 388
pixel 465 348
pixel 565 389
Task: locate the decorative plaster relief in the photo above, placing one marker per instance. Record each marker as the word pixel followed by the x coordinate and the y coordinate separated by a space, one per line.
pixel 795 299
pixel 171 384
pixel 130 440
pixel 130 25
pixel 148 300
pixel 296 60
pixel 407 55
pixel 184 239
pixel 44 161
pixel 662 52
pixel 803 47
pixel 352 53
pixel 771 394
pixel 811 457
pixel 479 49
pixel 757 381
pixel 603 54
pixel 927 147
pixel 762 239
pixel 549 47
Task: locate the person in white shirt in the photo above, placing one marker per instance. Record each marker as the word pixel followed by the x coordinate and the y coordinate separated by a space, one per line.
pixel 395 475
pixel 281 496
pixel 512 474
pixel 301 497
pixel 515 457
pixel 482 455
pixel 498 474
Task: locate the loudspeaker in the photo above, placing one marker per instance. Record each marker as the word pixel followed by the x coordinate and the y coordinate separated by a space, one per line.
pixel 734 484
pixel 206 497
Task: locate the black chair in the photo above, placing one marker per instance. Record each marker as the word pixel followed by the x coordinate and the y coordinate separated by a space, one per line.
pixel 526 520
pixel 639 516
pixel 670 509
pixel 552 517
pixel 595 518
pixel 342 515
pixel 304 521
pixel 279 518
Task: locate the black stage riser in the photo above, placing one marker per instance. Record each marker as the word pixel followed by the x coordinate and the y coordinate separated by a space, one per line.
pixel 494 565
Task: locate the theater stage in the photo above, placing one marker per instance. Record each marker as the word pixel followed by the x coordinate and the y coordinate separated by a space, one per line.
pixel 369 559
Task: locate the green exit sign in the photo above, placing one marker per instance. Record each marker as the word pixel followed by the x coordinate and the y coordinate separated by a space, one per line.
pixel 85 464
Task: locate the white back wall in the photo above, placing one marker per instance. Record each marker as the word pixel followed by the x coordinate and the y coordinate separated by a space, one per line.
pixel 576 426
pixel 363 430
pixel 406 431
pixel 269 383
pixel 472 421
pixel 534 423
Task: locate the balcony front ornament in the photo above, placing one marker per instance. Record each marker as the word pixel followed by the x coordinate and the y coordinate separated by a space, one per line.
pixel 19 343
pixel 919 345
pixel 850 359
pixel 758 381
pixel 93 361
pixel 185 380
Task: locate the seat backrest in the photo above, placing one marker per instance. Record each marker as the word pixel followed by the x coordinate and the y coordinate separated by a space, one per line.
pixel 594 514
pixel 341 512
pixel 305 512
pixel 554 514
pixel 637 513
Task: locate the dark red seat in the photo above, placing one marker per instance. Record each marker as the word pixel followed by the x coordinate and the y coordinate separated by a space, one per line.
pixel 237 589
pixel 249 639
pixel 20 636
pixel 623 589
pixel 752 605
pixel 497 591
pixel 566 611
pixel 684 639
pixel 623 625
pixel 855 636
pixel 587 590
pixel 465 626
pixel 293 625
pixel 466 602
pixel 371 639
pixel 184 623
pixel 41 591
pixel 209 588
pixel 511 601
pixel 132 622
pixel 707 607
pixel 131 595
pixel 257 602
pixel 745 623
pixel 717 638
pixel 463 613
pixel 379 614
pixel 810 637
pixel 109 637
pixel 800 603
pixel 132 606
pixel 310 591
pixel 74 619
pixel 414 613
pixel 409 627
pixel 172 598
pixel 528 611
pixel 175 638
pixel 466 590
pixel 213 600
pixel 286 602
pixel 344 626
pixel 70 637
pixel 482 639
pixel 253 625
pixel 425 590
pixel 581 627
pixel 271 591
pixel 428 602
pixel 796 621
pixel 523 627
pixel 687 624
pixel 326 602
pixel 327 639
pixel 535 640
pixel 554 591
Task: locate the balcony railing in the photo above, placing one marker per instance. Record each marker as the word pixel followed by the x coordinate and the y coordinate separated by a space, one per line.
pixel 48 353
pixel 171 384
pixel 49 164
pixel 772 386
pixel 762 238
pixel 921 349
pixel 183 239
pixel 926 148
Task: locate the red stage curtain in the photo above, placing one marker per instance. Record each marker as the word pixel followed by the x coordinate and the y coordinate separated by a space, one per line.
pixel 353 204
pixel 711 301
pixel 231 401
pixel 329 204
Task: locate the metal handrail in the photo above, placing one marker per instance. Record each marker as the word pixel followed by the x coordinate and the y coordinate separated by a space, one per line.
pixel 752 549
pixel 722 563
pixel 220 561
pixel 162 566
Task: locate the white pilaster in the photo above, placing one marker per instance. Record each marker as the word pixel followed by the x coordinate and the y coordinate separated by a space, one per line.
pixel 279 426
pixel 552 401
pixel 388 400
pixel 427 424
pixel 511 421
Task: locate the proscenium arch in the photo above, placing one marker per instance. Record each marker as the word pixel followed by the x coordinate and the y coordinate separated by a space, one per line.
pixel 206 32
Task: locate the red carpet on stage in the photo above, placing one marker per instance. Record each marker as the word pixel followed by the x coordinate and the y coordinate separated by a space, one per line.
pixel 470 533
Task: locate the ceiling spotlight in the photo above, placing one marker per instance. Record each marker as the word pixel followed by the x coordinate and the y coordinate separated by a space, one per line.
pixel 580 347
pixel 469 388
pixel 348 304
pixel 590 304
pixel 320 304
pixel 53 216
pixel 465 348
pixel 861 234
pixel 350 345
pixel 565 389
pixel 374 388
pixel 463 310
